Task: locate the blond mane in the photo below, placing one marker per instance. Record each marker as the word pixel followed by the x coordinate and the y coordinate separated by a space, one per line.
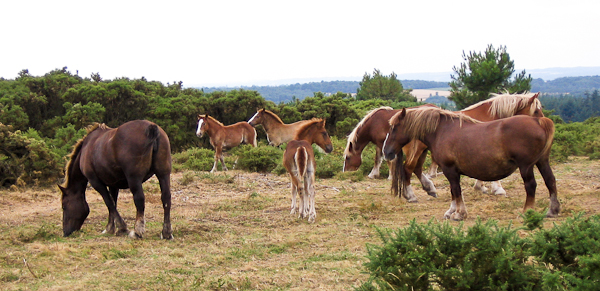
pixel 352 138
pixel 77 149
pixel 506 105
pixel 423 120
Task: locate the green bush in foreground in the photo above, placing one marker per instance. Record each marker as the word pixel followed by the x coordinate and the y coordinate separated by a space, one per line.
pixel 435 256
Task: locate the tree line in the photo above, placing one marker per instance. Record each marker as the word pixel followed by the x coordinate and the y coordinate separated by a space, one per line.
pixel 53 110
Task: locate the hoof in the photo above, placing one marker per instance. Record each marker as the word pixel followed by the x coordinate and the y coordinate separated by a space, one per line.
pixel 169 236
pixel 413 200
pixel 134 235
pixel 456 217
pixel 432 194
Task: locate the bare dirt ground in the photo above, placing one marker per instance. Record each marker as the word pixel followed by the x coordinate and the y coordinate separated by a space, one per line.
pixel 233 231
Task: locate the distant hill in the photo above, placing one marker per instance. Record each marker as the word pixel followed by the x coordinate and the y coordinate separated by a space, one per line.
pixel 552 80
pixel 285 93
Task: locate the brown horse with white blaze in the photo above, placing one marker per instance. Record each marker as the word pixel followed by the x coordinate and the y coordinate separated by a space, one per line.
pixel 117 158
pixel 486 151
pixel 225 137
pixel 277 131
pixel 299 161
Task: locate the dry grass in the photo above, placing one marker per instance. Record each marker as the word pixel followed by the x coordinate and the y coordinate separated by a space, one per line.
pixel 233 231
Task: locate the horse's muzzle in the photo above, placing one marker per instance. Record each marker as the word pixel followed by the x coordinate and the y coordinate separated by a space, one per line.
pixel 329 148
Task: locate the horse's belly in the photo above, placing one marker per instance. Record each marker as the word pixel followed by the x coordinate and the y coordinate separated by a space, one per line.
pixel 488 171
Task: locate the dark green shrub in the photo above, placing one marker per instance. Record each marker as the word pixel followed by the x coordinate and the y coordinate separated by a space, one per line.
pixel 26 160
pixel 258 159
pixel 197 159
pixel 440 256
pixel 572 252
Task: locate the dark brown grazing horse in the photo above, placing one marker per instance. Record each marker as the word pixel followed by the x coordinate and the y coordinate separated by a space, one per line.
pixel 277 131
pixel 299 161
pixel 373 128
pixel 225 137
pixel 117 158
pixel 487 151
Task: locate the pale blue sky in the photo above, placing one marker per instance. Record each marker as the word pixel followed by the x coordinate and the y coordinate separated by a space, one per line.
pixel 208 43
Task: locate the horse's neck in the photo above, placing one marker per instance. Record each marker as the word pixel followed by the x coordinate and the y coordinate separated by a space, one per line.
pixel 481 113
pixel 213 127
pixel 76 179
pixel 271 123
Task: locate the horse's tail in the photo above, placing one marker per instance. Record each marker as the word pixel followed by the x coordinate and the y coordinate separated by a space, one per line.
pixel 254 137
pixel 152 133
pixel 548 126
pixel 301 159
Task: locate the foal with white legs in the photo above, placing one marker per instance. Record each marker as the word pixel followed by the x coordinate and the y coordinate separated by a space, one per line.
pixel 299 161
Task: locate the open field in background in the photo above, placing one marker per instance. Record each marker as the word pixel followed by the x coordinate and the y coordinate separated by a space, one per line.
pixel 233 231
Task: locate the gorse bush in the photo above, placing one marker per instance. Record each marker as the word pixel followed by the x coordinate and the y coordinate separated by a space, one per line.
pixel 487 257
pixel 257 159
pixel 197 159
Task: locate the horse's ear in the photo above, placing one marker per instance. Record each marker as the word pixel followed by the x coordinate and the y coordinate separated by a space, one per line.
pixel 322 123
pixel 403 113
pixel 533 98
pixel 62 189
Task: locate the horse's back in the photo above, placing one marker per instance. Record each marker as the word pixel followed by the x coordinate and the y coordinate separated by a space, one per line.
pixel 138 148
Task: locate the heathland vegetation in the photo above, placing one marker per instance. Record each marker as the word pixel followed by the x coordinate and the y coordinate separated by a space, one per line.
pixel 41 117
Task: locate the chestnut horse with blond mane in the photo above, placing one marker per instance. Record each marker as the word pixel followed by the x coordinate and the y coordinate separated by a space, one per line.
pixel 299 161
pixel 277 131
pixel 224 137
pixel 486 151
pixel 374 126
pixel 117 158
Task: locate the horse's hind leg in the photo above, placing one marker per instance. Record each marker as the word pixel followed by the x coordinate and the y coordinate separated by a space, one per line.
pixel 294 184
pixel 550 181
pixel 140 204
pixel 309 186
pixel 426 183
pixel 530 185
pixel 165 189
pixel 497 188
pixel 110 225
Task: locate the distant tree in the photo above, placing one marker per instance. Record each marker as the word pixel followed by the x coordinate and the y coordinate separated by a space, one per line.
pixel 382 87
pixel 482 74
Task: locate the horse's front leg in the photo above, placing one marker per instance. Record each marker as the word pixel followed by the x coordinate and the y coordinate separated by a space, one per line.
pixel 550 181
pixel 458 210
pixel 111 205
pixel 165 197
pixel 217 154
pixel 378 160
pixel 140 204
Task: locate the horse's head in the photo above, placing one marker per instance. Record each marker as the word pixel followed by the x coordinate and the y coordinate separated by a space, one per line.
pixel 257 118
pixel 321 137
pixel 396 138
pixel 202 125
pixel 75 209
pixel 352 160
pixel 533 108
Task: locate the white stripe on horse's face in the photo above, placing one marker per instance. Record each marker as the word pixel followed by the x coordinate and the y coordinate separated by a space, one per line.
pixel 254 116
pixel 199 131
pixel 384 142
